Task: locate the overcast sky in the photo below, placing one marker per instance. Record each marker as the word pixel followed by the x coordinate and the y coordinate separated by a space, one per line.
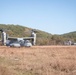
pixel 53 16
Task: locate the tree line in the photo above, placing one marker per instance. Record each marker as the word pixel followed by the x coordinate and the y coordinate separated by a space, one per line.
pixel 43 38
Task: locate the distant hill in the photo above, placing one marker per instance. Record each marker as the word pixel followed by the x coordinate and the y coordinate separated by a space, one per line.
pixel 43 38
pixel 70 35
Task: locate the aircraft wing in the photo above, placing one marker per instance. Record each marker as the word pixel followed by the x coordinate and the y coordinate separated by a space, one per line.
pixel 12 38
pixel 24 38
pixel 28 38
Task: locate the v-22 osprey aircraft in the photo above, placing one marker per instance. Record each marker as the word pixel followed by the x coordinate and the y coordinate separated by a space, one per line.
pixel 18 42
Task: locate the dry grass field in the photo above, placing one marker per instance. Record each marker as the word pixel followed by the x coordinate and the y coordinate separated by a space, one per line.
pixel 38 60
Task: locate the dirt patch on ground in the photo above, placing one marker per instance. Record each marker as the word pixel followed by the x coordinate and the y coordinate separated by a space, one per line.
pixel 38 60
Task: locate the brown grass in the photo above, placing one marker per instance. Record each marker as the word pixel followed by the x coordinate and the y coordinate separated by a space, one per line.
pixel 38 60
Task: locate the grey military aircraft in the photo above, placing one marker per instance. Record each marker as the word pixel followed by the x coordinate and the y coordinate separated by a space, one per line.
pixel 18 42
